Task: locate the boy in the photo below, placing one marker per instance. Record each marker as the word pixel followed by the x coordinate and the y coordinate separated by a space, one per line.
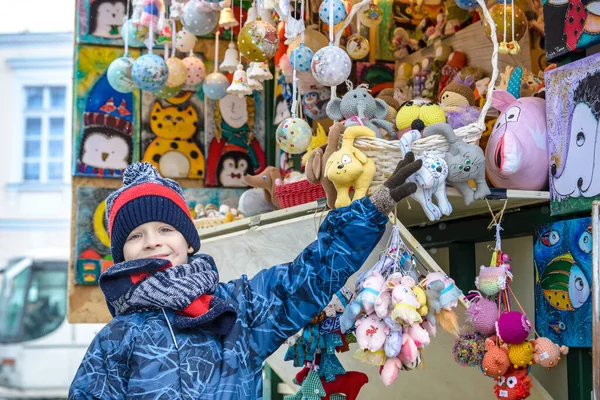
pixel 177 333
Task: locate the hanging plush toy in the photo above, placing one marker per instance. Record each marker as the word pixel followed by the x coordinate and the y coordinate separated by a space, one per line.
pixel 349 167
pixel 514 385
pixel 546 353
pixel 495 362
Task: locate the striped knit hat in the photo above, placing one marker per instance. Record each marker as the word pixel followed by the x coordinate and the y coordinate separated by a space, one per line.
pixel 146 197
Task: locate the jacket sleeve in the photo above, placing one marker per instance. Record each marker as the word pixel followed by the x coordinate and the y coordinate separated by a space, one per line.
pixel 104 370
pixel 283 299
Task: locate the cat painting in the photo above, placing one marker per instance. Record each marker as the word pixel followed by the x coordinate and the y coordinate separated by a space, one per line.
pixel 174 152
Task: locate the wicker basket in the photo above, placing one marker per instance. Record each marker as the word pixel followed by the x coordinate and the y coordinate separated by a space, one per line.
pixel 204 223
pixel 386 153
pixel 296 193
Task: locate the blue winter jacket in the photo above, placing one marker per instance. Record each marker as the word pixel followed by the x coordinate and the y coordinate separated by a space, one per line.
pixel 141 356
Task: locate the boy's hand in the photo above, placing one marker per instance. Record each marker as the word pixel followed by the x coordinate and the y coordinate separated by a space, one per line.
pixel 396 188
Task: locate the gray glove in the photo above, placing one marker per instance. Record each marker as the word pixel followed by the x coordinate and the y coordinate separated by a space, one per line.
pixel 396 188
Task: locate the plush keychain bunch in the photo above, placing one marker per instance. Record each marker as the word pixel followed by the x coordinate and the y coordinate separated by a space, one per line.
pixel 315 347
pixel 498 341
pixel 396 311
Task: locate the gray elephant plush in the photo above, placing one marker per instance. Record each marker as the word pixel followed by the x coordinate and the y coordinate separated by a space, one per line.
pixel 359 103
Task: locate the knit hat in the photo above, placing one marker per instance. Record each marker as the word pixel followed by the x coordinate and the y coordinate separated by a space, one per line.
pixel 146 197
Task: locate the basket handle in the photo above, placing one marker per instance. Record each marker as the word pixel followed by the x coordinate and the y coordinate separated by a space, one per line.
pixel 488 100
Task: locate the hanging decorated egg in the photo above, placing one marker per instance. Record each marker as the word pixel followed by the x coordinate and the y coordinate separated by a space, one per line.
pixel 199 22
pixel 258 41
pixel 177 72
pixel 135 32
pixel 371 15
pixel 468 5
pixel 150 72
pixel 119 74
pixel 331 66
pixel 195 70
pixel 301 58
pixel 357 46
pixel 339 11
pixel 166 92
pixel 293 135
pixel 185 41
pixel 497 14
pixel 215 86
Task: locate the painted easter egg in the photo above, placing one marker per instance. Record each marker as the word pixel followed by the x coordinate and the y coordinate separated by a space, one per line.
pixel 195 70
pixel 199 22
pixel 166 92
pixel 301 58
pixel 150 72
pixel 293 135
pixel 339 11
pixel 119 74
pixel 177 72
pixel 357 46
pixel 258 41
pixel 215 86
pixel 185 41
pixel 331 66
pixel 371 15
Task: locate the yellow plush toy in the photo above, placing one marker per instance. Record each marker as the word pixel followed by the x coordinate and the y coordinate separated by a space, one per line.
pixel 349 167
pixel 420 112
pixel 422 299
pixel 520 355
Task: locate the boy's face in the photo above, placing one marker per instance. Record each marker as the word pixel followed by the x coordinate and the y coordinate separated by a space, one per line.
pixel 157 240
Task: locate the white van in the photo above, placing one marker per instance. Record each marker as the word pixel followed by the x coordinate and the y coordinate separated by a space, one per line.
pixel 39 350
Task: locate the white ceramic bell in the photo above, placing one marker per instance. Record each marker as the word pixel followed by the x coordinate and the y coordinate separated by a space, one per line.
pixel 259 71
pixel 253 84
pixel 239 85
pixel 250 15
pixel 227 19
pixel 230 61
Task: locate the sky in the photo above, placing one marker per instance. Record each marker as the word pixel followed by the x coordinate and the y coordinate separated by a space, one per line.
pixel 47 16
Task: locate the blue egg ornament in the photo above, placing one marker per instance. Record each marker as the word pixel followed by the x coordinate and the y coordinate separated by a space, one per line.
pixel 119 74
pixel 150 72
pixel 301 57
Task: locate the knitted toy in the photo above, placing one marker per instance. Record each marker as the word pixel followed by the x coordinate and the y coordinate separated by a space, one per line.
pixel 520 355
pixel 349 167
pixel 317 161
pixel 483 315
pixel 514 385
pixel 513 327
pixel 371 332
pixel 466 162
pixel 358 107
pixel 458 101
pixel 495 362
pixel 491 280
pixel 546 353
pixel 469 349
pixel 417 114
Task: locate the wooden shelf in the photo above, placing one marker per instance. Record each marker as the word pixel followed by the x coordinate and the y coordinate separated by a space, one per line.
pixel 473 42
pixel 409 211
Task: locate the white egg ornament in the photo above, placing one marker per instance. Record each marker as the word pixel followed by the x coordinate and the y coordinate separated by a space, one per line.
pixel 198 22
pixel 331 66
pixel 177 72
pixel 119 74
pixel 215 86
pixel 150 72
pixel 293 135
pixel 301 57
pixel 196 71
pixel 339 11
pixel 185 41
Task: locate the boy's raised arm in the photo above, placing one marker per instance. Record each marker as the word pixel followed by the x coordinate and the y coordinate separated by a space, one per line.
pixel 283 299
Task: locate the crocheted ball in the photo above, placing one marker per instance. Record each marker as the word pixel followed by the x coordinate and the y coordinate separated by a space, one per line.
pixel 469 349
pixel 483 314
pixel 513 327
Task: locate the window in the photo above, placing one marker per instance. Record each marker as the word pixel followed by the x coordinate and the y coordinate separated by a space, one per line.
pixel 44 150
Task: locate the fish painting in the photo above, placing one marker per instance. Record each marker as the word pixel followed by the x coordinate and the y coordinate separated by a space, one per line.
pixel 562 258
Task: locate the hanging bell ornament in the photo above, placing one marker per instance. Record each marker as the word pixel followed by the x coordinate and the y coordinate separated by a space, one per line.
pixel 230 61
pixel 259 71
pixel 254 84
pixel 227 19
pixel 239 85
